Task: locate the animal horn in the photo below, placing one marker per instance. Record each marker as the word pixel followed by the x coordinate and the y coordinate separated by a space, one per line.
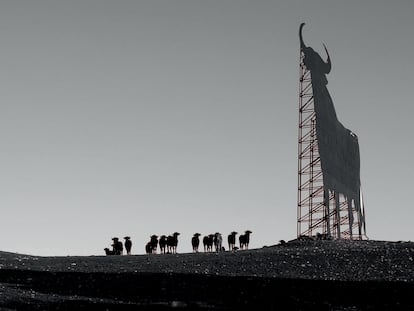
pixel 302 44
pixel 328 61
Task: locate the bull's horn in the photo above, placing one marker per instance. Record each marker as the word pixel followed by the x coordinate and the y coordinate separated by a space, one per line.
pixel 328 61
pixel 302 44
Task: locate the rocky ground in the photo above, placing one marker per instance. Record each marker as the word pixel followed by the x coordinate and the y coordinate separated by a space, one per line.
pixel 300 275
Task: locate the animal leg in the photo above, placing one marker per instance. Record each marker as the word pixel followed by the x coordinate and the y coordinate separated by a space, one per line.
pixel 350 216
pixel 327 212
pixel 338 215
pixel 361 217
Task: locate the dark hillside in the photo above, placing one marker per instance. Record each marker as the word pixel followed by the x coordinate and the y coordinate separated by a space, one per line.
pixel 312 275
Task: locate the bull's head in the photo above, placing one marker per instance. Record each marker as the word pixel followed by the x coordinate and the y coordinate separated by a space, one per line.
pixel 312 59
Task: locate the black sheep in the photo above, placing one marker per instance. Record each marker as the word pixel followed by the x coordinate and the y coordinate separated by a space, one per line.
pixel 218 240
pixel 244 239
pixel 205 243
pixel 108 252
pixel 128 245
pixel 231 239
pixel 117 247
pixel 172 242
pixel 154 243
pixel 208 242
pixel 163 243
pixel 195 242
pixel 148 248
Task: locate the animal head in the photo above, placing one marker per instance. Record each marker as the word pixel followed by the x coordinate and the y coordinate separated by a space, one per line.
pixel 176 234
pixel 233 233
pixel 312 60
pixel 248 232
pixel 197 234
pixel 127 238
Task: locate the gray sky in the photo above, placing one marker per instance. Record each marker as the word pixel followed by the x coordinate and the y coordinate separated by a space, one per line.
pixel 148 117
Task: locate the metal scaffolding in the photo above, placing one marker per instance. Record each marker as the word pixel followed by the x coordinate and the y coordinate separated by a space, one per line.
pixel 312 214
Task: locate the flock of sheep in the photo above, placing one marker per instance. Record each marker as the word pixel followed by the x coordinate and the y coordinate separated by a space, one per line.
pixel 168 244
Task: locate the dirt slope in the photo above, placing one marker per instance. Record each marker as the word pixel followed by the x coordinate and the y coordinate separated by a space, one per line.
pixel 326 275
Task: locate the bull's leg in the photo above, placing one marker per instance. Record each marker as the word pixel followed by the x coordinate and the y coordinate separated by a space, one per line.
pixel 361 218
pixel 327 212
pixel 338 215
pixel 350 216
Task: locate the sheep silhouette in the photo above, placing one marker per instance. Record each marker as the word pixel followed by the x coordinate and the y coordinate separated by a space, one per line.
pixel 148 248
pixel 154 243
pixel 108 252
pixel 163 243
pixel 172 242
pixel 208 241
pixel 195 242
pixel 117 247
pixel 231 239
pixel 218 241
pixel 244 239
pixel 128 245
